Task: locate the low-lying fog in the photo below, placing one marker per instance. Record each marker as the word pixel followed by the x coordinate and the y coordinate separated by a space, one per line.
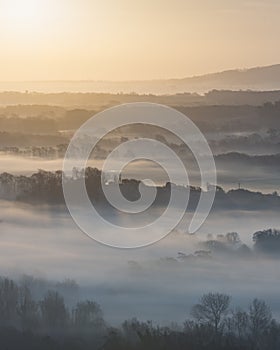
pixel 44 241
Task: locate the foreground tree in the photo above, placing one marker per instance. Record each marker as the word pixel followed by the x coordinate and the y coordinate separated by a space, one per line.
pixel 260 318
pixel 240 323
pixel 212 310
pixel 8 301
pixel 27 309
pixel 88 316
pixel 53 311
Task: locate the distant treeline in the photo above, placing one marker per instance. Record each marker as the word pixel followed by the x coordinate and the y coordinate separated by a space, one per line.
pixel 222 160
pixel 49 323
pixel 43 152
pixel 25 144
pixel 266 243
pixel 214 97
pixel 216 118
pixel 234 158
pixel 46 187
pixel 44 120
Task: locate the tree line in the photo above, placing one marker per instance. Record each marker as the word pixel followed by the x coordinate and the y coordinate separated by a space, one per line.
pixel 27 322
pixel 46 186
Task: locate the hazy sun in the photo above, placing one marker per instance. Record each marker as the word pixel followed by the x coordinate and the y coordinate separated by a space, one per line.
pixel 20 13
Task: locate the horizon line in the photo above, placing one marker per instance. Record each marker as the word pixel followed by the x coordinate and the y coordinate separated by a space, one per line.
pixel 237 70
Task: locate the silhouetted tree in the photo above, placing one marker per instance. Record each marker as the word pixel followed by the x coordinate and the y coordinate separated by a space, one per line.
pixel 267 241
pixel 27 309
pixel 8 301
pixel 260 318
pixel 239 324
pixel 232 237
pixel 212 309
pixel 54 312
pixel 88 316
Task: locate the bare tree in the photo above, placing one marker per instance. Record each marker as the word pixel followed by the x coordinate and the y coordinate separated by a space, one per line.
pixel 260 317
pixel 53 310
pixel 27 309
pixel 240 321
pixel 212 309
pixel 88 315
pixel 8 301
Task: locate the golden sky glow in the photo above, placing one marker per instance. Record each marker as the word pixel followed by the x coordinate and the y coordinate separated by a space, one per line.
pixel 129 39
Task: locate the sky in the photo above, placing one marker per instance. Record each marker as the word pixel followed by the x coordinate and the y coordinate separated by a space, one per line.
pixel 133 39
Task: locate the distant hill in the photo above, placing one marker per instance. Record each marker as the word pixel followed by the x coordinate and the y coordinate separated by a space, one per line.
pixel 258 78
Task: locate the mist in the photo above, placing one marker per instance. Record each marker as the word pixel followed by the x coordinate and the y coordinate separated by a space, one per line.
pixel 43 241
